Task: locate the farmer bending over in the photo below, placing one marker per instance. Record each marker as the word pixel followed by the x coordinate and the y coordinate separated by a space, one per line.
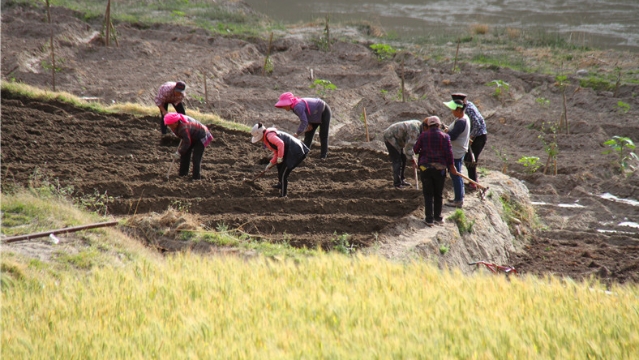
pixel 194 138
pixel 288 152
pixel 170 93
pixel 399 139
pixel 313 113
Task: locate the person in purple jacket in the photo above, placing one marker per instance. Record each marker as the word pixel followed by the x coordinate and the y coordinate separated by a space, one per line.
pixel 435 152
pixel 313 113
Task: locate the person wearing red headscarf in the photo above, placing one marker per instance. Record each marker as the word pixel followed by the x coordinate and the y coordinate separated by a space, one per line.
pixel 313 113
pixel 194 138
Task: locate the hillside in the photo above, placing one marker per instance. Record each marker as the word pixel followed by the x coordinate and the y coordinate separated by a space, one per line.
pixel 582 233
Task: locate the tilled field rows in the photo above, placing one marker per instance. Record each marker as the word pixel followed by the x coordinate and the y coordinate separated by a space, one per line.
pixel 123 157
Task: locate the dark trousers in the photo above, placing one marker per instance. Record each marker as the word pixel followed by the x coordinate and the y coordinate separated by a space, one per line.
pixel 178 108
pixel 433 188
pixel 197 149
pixel 476 147
pixel 283 172
pixel 399 163
pixel 324 125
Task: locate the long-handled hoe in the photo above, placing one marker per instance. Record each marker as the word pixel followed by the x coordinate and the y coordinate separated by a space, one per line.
pixel 251 182
pixel 482 188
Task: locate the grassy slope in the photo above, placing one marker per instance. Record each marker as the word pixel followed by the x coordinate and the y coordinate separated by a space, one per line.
pixel 115 299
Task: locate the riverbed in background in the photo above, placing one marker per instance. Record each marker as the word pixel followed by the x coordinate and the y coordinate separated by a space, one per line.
pixel 596 23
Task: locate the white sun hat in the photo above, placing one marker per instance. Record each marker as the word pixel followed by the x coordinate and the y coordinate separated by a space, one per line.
pixel 257 132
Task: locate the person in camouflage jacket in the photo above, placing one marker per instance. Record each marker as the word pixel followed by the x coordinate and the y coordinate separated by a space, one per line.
pixel 399 139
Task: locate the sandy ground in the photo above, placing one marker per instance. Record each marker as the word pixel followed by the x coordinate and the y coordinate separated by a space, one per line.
pixel 581 232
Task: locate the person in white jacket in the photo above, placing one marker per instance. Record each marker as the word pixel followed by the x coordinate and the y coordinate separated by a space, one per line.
pixel 459 132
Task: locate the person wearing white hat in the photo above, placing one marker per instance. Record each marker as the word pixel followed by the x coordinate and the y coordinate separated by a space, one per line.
pixel 288 152
pixel 435 156
pixel 459 132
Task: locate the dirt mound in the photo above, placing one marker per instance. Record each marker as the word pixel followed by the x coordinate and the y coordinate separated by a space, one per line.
pixel 350 193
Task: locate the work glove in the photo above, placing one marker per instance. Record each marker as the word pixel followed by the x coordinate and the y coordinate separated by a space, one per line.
pixel 279 160
pixel 270 165
pixel 176 155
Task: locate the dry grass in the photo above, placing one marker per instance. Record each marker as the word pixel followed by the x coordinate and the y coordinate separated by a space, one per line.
pixel 479 29
pixel 513 33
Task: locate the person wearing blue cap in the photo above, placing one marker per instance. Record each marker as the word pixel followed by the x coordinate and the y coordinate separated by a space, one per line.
pixel 459 132
pixel 478 136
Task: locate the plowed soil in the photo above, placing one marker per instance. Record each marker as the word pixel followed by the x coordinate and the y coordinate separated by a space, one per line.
pixel 120 156
pixel 582 233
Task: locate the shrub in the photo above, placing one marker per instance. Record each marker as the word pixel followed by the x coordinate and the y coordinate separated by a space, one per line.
pixel 383 51
pixel 464 226
pixel 531 163
pixel 323 86
pixel 622 147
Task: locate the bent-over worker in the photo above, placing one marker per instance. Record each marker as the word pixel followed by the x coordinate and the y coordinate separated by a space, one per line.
pixel 313 113
pixel 170 93
pixel 194 138
pixel 400 138
pixel 288 152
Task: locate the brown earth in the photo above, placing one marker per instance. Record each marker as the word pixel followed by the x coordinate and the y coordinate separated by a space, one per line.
pixel 351 192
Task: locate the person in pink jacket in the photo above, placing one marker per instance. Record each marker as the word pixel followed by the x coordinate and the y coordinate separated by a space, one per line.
pixel 195 137
pixel 288 152
pixel 313 113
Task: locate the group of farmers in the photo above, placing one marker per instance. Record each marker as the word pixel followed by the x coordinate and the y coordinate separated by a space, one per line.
pixel 439 147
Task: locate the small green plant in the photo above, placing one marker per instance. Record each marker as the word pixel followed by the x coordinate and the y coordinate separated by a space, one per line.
pixel 46 64
pixel 443 249
pixel 341 244
pixel 323 86
pixel 180 206
pixel 464 226
pixel 220 239
pixel 542 101
pixel 622 147
pixel 503 157
pixel 623 107
pixel 222 227
pixel 384 93
pixel 550 145
pixel 531 163
pixel 268 66
pixel 198 98
pixel 501 87
pixel 383 51
pixel 97 202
